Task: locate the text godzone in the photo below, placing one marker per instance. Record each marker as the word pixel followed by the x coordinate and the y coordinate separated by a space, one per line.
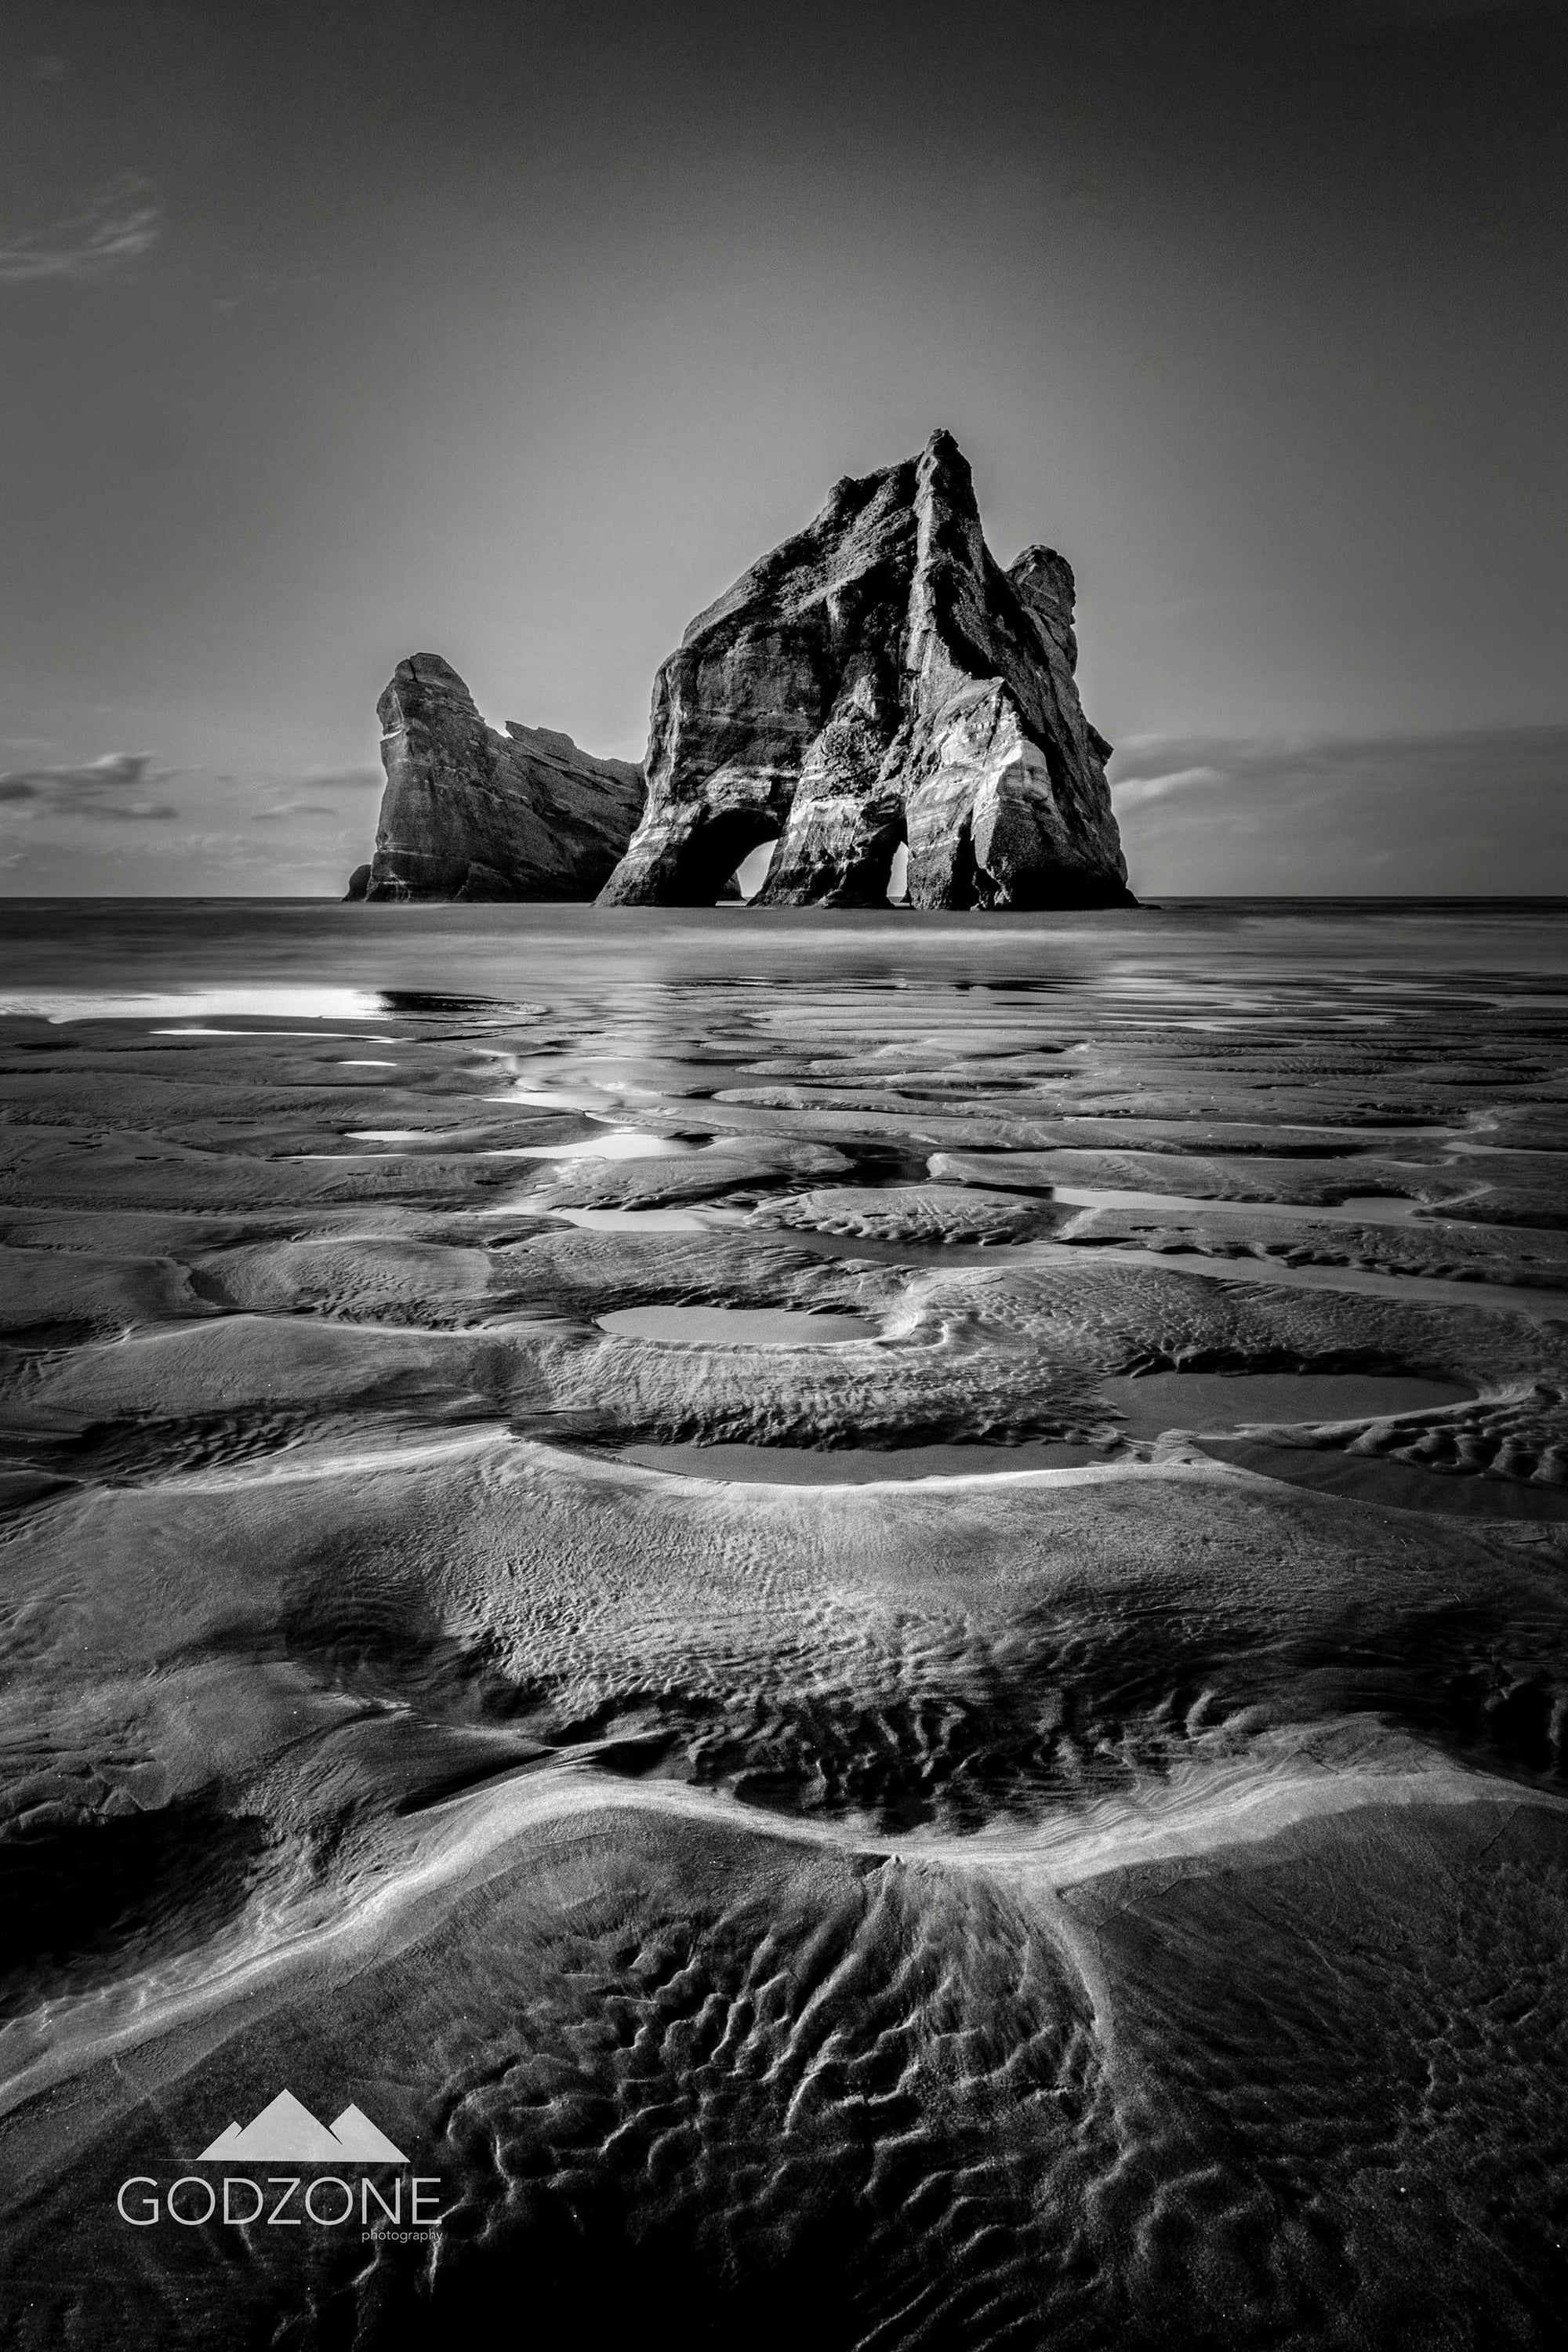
pixel 192 2200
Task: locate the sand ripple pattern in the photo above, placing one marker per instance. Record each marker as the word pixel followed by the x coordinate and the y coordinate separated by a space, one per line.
pixel 1118 1907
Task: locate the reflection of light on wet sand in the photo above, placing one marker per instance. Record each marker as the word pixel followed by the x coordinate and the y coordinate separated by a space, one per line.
pixel 317 1036
pixel 645 1221
pixel 614 1143
pixel 1356 1208
pixel 551 1098
pixel 258 1004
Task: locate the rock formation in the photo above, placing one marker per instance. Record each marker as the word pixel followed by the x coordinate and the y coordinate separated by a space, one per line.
pixel 471 813
pixel 880 679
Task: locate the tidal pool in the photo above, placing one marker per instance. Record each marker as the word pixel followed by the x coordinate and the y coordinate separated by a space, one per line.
pixel 636 1220
pixel 1396 1485
pixel 63 1005
pixel 810 1465
pixel 734 1327
pixel 1355 1209
pixel 1210 1401
pixel 609 1143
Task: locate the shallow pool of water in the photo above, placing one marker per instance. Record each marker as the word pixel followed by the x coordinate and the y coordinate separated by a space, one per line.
pixel 1224 1401
pixel 270 1036
pixel 635 1220
pixel 735 1327
pixel 261 1002
pixel 810 1465
pixel 609 1143
pixel 1356 1209
pixel 1396 1485
pixel 1438 1290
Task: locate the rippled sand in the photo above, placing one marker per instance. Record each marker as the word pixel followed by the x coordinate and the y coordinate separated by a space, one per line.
pixel 1075 1857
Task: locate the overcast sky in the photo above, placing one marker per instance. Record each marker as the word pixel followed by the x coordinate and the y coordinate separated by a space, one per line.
pixel 513 330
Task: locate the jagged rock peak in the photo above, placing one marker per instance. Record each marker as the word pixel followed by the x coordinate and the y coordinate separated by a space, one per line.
pixel 879 680
pixel 471 813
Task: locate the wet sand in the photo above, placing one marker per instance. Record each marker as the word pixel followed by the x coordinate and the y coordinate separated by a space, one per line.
pixel 860 1617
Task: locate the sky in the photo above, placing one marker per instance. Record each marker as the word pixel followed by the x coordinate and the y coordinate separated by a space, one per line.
pixel 515 330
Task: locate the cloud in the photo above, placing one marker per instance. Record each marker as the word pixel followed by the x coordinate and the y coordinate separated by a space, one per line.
pixel 1481 813
pixel 118 223
pixel 286 831
pixel 349 781
pixel 1136 790
pixel 102 788
pixel 342 779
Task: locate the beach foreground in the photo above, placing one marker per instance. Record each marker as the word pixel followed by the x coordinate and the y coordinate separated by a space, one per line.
pixel 861 1619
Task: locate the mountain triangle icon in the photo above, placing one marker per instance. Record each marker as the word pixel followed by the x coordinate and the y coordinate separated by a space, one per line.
pixel 358 2138
pixel 285 2132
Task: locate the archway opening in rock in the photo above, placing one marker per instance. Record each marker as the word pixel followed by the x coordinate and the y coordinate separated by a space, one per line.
pixel 873 873
pixel 698 870
pixel 752 870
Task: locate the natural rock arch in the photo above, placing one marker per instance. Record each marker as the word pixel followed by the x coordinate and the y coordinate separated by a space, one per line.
pixel 882 679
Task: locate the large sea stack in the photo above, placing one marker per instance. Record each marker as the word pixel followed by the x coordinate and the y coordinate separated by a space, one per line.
pixel 878 680
pixel 471 813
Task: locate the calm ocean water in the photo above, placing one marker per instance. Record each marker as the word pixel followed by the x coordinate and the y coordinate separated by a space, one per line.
pixel 311 959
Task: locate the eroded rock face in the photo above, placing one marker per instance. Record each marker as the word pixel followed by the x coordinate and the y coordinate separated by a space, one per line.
pixel 880 679
pixel 470 813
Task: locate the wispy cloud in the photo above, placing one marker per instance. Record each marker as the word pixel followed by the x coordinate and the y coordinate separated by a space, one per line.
pixel 342 780
pixel 103 788
pixel 116 224
pixel 1481 811
pixel 1135 791
pixel 268 832
pixel 352 783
